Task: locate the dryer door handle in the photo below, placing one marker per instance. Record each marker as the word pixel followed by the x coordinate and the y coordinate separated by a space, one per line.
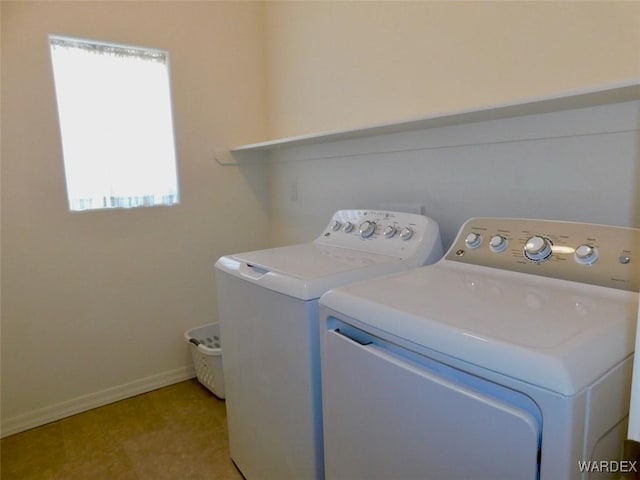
pixel 354 335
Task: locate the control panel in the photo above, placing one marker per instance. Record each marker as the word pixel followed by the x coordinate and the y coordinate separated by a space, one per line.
pixel 595 254
pixel 397 234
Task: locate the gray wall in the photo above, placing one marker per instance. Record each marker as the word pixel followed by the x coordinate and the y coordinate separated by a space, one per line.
pixel 576 165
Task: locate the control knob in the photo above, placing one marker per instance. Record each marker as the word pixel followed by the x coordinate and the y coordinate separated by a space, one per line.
pixel 406 233
pixel 497 244
pixel 335 225
pixel 367 228
pixel 473 240
pixel 389 231
pixel 586 254
pixel 348 226
pixel 537 248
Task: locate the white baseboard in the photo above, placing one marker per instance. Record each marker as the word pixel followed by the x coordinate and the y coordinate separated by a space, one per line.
pixel 41 416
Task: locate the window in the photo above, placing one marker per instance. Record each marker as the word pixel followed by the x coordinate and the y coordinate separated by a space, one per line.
pixel 114 107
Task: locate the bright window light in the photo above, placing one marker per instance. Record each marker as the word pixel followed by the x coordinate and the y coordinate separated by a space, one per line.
pixel 114 107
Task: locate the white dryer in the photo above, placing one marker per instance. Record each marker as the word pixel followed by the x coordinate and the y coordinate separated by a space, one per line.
pixel 268 314
pixel 510 358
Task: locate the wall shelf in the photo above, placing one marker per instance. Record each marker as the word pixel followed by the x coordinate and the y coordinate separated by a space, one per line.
pixel 622 92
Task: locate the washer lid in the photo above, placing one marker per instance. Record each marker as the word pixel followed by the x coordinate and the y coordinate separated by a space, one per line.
pixel 556 334
pixel 306 271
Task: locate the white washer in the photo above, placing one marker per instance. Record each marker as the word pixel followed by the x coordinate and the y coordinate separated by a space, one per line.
pixel 268 313
pixel 510 358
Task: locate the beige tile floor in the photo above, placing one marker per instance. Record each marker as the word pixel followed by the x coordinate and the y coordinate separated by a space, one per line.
pixel 174 433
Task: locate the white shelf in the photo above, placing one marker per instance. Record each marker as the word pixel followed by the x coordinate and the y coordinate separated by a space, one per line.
pixel 618 93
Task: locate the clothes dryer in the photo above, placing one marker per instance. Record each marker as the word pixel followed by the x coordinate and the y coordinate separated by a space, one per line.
pixel 268 314
pixel 510 358
pixel 634 408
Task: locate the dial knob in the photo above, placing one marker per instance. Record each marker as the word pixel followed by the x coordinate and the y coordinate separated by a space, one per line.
pixel 335 225
pixel 406 233
pixel 473 240
pixel 348 226
pixel 367 228
pixel 389 231
pixel 586 254
pixel 497 244
pixel 537 248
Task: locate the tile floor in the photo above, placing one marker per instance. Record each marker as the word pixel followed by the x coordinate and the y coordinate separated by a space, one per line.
pixel 174 433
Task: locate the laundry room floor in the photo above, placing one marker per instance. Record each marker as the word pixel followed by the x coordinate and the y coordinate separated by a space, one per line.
pixel 174 433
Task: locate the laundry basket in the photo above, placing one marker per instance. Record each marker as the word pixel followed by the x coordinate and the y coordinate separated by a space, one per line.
pixel 206 351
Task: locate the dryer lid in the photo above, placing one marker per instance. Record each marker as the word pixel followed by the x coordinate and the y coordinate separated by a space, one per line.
pixel 556 334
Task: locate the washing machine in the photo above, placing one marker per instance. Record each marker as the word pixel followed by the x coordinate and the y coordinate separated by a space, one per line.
pixel 510 358
pixel 268 314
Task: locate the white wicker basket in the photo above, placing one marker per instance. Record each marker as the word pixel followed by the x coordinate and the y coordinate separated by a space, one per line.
pixel 206 351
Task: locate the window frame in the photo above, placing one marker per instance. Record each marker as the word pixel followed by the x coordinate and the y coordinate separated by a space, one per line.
pixel 166 197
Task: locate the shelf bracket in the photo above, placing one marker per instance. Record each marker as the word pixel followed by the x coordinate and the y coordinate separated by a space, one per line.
pixel 229 158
